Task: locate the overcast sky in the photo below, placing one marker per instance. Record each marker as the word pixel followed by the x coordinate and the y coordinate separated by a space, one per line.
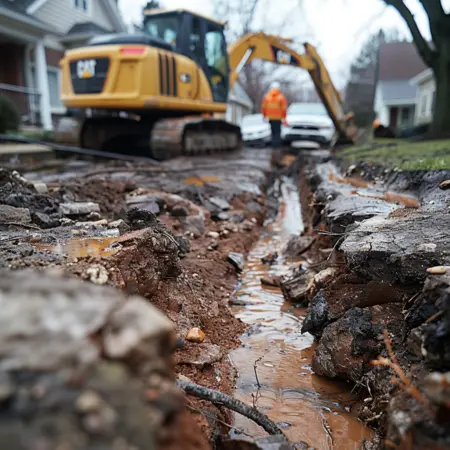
pixel 337 27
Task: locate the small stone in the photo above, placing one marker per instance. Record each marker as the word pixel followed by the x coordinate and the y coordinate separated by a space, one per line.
pixel 179 211
pixel 438 270
pixel 247 225
pixel 270 258
pixel 213 234
pixel 445 185
pixel 97 274
pixel 44 220
pixel 79 232
pixel 35 237
pixel 325 276
pixel 41 188
pixel 220 203
pixel 195 335
pixel 237 259
pixel 78 208
pixel 92 225
pixel 88 402
pixel 271 281
pixel 94 216
pixel 121 225
pixel 65 221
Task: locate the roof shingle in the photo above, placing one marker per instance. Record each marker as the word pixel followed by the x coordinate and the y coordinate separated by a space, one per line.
pixel 399 61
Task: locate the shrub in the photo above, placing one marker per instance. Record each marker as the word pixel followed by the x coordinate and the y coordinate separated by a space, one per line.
pixel 9 115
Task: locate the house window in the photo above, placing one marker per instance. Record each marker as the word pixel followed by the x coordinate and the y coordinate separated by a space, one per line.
pixel 82 5
pixel 406 115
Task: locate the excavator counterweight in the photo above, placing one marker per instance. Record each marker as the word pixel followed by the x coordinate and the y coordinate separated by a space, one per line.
pixel 165 90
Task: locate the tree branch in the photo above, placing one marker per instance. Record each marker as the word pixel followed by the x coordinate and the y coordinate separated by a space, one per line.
pixel 221 399
pixel 427 54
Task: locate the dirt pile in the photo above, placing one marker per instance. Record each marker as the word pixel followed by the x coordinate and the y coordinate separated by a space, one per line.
pixel 161 246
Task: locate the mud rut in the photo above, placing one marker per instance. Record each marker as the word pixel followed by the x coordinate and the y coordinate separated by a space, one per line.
pixel 274 361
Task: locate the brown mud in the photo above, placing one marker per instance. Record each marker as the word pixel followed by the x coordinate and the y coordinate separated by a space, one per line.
pixel 274 360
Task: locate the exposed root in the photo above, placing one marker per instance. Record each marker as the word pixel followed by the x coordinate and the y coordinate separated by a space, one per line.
pixel 404 381
pixel 221 399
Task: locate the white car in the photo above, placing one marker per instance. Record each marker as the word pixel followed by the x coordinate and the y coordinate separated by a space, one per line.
pixel 308 122
pixel 256 130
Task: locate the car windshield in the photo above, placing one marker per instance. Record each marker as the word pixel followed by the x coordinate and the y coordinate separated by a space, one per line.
pixel 313 109
pixel 254 119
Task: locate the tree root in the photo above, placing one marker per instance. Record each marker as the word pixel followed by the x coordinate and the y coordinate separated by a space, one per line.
pixel 221 399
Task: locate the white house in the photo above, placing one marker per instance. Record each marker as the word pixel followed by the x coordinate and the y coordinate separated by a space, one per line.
pixel 426 92
pixel 33 37
pixel 395 95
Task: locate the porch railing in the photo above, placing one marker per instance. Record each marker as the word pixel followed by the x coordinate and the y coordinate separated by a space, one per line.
pixel 26 101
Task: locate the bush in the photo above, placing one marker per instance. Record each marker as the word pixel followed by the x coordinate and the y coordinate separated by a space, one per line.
pixel 9 115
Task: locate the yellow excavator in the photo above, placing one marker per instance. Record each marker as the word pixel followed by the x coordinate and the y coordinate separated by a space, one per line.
pixel 166 89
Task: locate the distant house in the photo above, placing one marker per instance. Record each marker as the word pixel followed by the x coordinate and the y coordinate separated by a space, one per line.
pixel 33 37
pixel 239 104
pixel 426 92
pixel 395 95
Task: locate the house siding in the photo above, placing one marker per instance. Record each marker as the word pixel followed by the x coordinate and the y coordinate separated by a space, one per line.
pixel 424 105
pixel 381 110
pixel 63 15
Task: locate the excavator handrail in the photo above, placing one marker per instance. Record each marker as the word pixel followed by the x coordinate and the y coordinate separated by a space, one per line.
pixel 274 49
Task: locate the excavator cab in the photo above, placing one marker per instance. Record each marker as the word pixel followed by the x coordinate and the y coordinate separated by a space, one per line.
pixel 200 39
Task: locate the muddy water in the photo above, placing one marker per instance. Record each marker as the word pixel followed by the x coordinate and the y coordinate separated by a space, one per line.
pixel 309 408
pixel 82 248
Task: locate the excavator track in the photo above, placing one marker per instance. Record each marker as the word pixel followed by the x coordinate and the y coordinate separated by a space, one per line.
pixel 193 136
pixel 165 139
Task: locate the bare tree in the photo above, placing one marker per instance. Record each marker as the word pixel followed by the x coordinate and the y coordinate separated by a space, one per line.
pixel 435 54
pixel 246 16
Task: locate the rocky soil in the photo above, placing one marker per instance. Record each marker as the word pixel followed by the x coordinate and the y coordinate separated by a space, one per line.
pixel 91 255
pixel 380 315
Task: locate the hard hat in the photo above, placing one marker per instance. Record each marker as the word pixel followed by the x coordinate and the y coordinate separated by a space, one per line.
pixel 275 85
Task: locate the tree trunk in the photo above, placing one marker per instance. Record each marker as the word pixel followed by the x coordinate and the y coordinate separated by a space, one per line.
pixel 441 114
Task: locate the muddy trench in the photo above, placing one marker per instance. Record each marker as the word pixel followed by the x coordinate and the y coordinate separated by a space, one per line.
pixel 274 360
pixel 315 292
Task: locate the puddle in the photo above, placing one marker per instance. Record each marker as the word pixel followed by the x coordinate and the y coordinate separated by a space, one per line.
pixel 355 182
pixel 308 408
pixel 200 181
pixel 82 248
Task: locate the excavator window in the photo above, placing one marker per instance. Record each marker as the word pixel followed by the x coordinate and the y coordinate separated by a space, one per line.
pixel 164 27
pixel 217 61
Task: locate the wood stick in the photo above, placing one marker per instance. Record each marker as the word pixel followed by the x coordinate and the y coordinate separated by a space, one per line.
pixel 221 399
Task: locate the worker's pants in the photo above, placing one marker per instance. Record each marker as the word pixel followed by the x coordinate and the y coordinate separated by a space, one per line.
pixel 275 125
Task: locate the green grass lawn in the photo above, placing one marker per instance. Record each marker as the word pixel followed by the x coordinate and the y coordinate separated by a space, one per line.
pixel 426 155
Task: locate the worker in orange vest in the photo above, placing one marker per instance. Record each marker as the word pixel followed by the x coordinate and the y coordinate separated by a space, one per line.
pixel 273 108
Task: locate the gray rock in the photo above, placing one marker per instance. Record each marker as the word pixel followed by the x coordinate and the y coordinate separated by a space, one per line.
pixel 399 249
pixel 45 221
pixel 317 316
pixel 121 225
pixel 237 259
pixel 148 202
pixel 11 214
pixel 46 321
pixel 138 328
pixel 219 203
pixel 79 208
pixel 297 245
pixel 41 188
pixel 202 355
pixel 277 442
pixel 193 224
pixel 345 210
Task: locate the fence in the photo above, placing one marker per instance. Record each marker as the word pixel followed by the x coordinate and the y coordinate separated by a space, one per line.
pixel 26 101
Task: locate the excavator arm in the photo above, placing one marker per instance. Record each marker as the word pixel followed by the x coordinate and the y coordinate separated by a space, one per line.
pixel 275 49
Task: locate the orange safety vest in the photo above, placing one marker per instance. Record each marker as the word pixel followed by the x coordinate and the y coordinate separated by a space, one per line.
pixel 274 105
